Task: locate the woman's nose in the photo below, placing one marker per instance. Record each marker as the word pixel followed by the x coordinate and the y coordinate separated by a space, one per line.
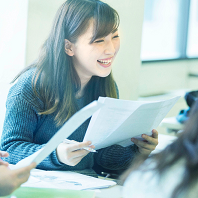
pixel 110 48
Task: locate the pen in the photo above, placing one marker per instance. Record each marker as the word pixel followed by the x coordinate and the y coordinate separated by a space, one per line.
pixel 74 142
pixel 109 175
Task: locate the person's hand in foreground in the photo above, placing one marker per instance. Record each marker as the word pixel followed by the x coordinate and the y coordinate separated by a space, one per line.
pixel 10 180
pixel 148 144
pixel 72 154
pixel 3 154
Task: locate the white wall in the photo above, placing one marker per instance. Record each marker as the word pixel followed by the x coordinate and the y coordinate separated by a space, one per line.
pixel 163 77
pixel 40 18
pixel 13 27
pixel 127 64
pixel 167 79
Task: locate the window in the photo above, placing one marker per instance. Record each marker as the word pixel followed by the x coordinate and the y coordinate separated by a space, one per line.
pixel 170 30
pixel 192 47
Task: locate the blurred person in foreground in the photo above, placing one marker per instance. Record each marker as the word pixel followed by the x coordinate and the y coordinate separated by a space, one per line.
pixel 172 173
pixel 10 180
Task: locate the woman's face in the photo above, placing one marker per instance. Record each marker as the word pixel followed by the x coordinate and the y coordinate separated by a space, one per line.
pixel 94 59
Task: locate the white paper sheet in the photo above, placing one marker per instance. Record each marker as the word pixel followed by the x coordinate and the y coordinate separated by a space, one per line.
pixel 120 120
pixel 66 130
pixel 65 180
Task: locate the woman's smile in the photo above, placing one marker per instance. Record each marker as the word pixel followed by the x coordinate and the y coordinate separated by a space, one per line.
pixel 105 62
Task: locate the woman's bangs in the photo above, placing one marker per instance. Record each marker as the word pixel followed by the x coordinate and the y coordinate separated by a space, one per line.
pixel 106 21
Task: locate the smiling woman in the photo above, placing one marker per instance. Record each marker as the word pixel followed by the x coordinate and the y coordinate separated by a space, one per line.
pixel 73 69
pixel 93 58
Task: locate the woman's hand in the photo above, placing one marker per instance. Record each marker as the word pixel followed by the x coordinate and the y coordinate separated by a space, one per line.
pixel 72 154
pixel 12 179
pixel 3 154
pixel 149 143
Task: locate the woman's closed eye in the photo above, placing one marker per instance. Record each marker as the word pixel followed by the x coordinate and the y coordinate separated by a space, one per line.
pixel 102 40
pixel 117 36
pixel 99 41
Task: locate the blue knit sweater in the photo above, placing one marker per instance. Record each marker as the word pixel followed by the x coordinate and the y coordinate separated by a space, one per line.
pixel 25 132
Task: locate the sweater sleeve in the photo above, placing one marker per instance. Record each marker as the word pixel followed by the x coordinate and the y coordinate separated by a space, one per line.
pixel 116 157
pixel 20 126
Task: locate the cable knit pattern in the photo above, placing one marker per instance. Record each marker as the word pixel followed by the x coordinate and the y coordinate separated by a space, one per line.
pixel 25 132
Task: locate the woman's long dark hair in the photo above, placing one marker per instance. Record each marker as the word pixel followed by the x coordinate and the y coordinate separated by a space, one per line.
pixel 186 148
pixel 56 81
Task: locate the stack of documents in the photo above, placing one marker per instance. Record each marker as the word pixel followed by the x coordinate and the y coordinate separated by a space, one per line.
pixel 65 180
pixel 120 120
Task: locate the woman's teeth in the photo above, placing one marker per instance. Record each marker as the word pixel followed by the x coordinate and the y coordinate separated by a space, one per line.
pixel 105 61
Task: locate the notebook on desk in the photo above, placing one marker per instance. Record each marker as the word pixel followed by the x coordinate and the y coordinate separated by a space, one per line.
pixel 26 192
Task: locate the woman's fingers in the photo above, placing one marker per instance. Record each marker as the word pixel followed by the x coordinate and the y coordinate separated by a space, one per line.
pixel 3 163
pixel 144 151
pixel 143 144
pixel 25 170
pixel 155 133
pixel 4 154
pixel 148 144
pixel 72 154
pixel 77 146
pixel 76 160
pixel 151 140
pixel 21 175
pixel 79 153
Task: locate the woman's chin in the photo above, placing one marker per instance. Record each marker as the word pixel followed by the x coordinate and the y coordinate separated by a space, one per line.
pixel 103 75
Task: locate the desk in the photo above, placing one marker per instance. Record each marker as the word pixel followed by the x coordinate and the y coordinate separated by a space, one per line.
pixel 171 125
pixel 112 192
pixel 28 192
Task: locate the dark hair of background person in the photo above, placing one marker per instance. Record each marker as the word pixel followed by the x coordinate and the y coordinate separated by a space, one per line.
pixel 55 76
pixel 185 147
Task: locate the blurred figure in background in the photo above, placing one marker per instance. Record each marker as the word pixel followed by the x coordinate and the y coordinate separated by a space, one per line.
pixel 171 173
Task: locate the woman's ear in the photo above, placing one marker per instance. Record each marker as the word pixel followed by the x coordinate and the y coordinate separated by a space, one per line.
pixel 69 48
